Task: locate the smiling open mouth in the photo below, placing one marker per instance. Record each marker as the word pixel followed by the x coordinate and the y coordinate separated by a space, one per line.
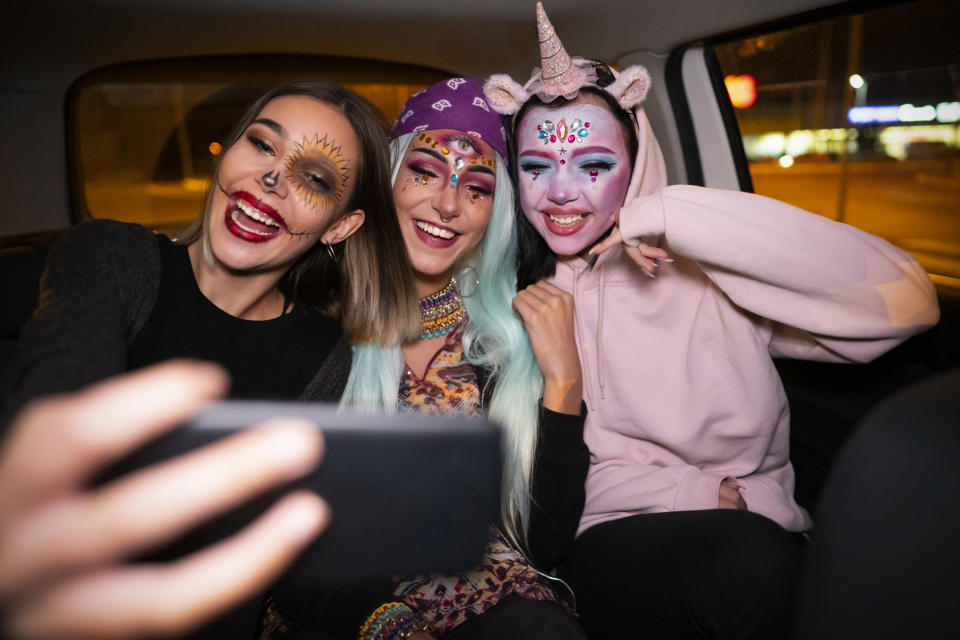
pixel 565 224
pixel 435 236
pixel 437 232
pixel 567 220
pixel 250 220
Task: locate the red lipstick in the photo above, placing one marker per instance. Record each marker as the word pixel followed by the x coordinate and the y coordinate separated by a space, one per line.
pixel 251 219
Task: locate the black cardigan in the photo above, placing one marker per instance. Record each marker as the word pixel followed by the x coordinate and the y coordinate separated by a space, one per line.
pixel 98 290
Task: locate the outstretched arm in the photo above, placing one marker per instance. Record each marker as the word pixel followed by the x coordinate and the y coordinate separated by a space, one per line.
pixel 832 292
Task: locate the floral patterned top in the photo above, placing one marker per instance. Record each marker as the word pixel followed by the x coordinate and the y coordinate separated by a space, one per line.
pixel 445 601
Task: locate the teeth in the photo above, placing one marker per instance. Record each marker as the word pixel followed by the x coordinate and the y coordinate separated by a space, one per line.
pixel 435 231
pixel 236 218
pixel 566 219
pixel 256 214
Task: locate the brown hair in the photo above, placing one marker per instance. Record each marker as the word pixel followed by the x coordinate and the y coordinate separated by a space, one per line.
pixel 369 288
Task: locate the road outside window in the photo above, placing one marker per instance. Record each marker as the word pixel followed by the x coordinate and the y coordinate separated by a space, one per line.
pixel 857 118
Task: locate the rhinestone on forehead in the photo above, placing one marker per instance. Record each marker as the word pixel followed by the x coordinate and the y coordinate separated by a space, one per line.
pixel 577 131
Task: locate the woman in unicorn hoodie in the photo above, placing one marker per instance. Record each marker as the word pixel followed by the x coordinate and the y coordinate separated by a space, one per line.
pixel 683 295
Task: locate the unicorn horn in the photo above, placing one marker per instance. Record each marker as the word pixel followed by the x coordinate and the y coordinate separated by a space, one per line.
pixel 558 77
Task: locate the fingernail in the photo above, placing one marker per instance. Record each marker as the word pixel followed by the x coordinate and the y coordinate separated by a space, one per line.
pixel 667 259
pixel 650 274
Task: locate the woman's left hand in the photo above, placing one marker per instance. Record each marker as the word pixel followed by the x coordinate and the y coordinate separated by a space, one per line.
pixel 547 314
pixel 646 256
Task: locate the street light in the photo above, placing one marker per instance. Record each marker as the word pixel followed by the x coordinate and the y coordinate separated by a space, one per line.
pixel 859 85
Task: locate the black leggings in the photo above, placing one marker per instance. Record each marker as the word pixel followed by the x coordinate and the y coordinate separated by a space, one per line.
pixel 686 574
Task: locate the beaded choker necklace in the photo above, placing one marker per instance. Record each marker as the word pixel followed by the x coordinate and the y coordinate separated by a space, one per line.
pixel 441 312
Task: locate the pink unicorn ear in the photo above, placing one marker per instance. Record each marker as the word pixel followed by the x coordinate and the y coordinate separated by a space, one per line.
pixel 631 86
pixel 504 94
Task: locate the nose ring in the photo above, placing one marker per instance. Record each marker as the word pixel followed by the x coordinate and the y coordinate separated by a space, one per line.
pixel 444 219
pixel 269 179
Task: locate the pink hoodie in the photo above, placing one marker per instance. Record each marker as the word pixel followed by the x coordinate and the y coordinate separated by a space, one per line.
pixel 679 381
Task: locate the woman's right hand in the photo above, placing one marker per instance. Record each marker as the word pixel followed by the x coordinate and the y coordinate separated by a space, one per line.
pixel 62 546
pixel 547 314
pixel 730 496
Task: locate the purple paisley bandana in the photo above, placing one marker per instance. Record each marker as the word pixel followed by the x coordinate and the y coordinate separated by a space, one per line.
pixel 457 103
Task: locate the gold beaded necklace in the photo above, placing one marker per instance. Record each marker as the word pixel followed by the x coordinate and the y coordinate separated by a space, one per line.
pixel 441 312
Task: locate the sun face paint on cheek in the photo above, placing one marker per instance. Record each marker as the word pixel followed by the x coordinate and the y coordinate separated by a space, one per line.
pixel 319 173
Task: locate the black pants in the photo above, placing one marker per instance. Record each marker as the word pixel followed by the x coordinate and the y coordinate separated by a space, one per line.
pixel 686 574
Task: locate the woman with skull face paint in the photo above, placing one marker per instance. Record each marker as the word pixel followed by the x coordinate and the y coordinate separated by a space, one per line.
pixel 455 204
pixel 682 296
pixel 262 281
pixel 293 254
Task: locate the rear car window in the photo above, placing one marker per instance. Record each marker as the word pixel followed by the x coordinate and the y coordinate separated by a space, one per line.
pixel 857 118
pixel 145 137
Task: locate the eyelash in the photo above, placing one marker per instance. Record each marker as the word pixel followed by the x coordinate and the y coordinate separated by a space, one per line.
pixel 423 171
pixel 259 144
pixel 316 181
pixel 465 140
pixel 601 165
pixel 527 167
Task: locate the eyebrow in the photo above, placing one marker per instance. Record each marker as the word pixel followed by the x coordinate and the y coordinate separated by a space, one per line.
pixel 474 168
pixel 595 149
pixel 273 125
pixel 540 154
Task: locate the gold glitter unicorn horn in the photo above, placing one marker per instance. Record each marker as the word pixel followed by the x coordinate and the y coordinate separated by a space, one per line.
pixel 559 76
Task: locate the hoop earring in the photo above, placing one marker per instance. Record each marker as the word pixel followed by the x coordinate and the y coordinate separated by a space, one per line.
pixel 330 252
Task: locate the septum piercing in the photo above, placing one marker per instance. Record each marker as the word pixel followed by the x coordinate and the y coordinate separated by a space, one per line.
pixel 269 179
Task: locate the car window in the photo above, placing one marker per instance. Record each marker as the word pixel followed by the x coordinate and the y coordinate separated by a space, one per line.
pixel 856 118
pixel 145 137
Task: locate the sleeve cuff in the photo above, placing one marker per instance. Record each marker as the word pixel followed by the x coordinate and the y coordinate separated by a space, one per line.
pixel 698 490
pixel 642 219
pixel 561 434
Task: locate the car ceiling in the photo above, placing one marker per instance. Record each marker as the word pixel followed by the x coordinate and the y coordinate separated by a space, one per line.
pixel 48 44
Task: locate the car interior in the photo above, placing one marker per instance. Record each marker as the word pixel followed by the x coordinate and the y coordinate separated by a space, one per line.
pixel 115 108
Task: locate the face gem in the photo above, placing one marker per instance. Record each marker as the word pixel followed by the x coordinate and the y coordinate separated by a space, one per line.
pixel 458 164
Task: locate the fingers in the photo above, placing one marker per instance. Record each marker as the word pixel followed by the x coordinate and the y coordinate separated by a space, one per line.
pixel 729 496
pixel 169 599
pixel 154 505
pixel 58 443
pixel 611 240
pixel 647 257
pixel 542 297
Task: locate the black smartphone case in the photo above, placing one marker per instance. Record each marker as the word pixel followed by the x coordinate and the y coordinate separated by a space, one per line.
pixel 410 494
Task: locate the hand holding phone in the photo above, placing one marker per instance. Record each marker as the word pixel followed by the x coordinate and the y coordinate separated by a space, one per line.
pixel 64 547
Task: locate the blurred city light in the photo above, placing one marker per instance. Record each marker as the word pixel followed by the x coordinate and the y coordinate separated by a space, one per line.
pixel 786 161
pixel 215 148
pixel 856 81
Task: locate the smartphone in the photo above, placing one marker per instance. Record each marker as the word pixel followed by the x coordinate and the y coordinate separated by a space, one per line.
pixel 410 494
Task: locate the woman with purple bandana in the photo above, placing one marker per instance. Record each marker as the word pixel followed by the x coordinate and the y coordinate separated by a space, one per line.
pixel 483 347
pixel 682 296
